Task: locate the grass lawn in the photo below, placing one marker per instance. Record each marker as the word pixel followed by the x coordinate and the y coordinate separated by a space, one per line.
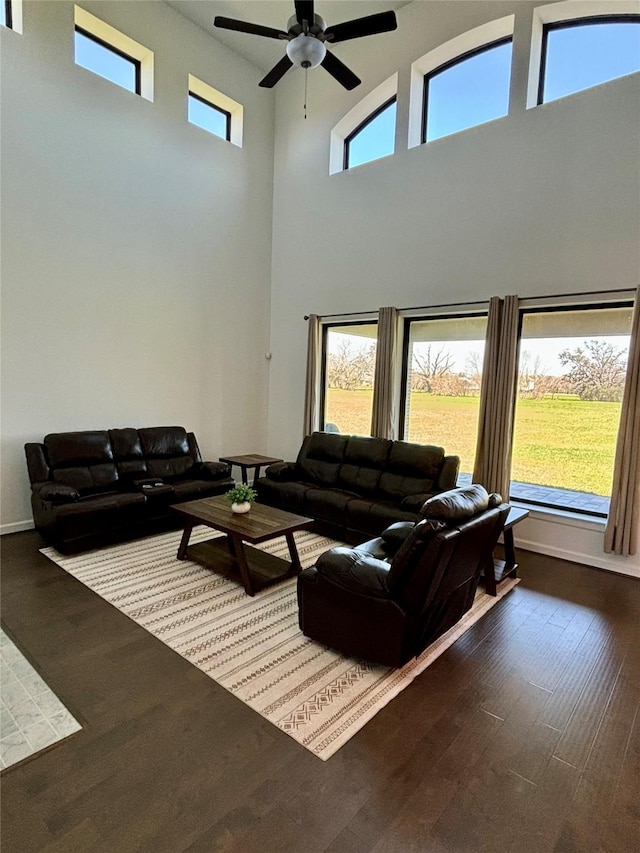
pixel 566 443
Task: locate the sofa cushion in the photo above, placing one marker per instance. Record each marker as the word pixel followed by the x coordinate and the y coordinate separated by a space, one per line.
pixel 327 504
pixel 91 516
pixel 410 469
pixel 362 465
pixel 127 452
pixel 287 495
pixel 373 516
pixel 166 450
pixel 320 457
pixel 82 460
pixel 457 504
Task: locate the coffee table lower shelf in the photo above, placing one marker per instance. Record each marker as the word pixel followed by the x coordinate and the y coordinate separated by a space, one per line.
pixel 263 569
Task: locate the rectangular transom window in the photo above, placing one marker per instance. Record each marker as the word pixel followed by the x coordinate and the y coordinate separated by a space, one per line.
pixel 209 117
pixel 374 138
pixel 107 61
pixel 442 374
pixel 348 367
pixel 571 380
pixel 577 55
pixel 6 14
pixel 470 90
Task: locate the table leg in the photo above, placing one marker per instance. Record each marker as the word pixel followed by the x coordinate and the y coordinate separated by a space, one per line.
pixel 256 474
pixel 293 551
pixel 243 468
pixel 182 548
pixel 490 577
pixel 511 567
pixel 241 559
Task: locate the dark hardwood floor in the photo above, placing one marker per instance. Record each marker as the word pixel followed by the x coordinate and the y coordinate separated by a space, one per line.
pixel 524 736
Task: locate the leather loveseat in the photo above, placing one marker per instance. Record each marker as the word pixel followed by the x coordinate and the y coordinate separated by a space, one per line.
pixel 353 487
pixel 95 487
pixel 389 598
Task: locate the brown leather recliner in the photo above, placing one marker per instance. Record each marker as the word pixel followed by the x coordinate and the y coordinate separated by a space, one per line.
pixel 389 598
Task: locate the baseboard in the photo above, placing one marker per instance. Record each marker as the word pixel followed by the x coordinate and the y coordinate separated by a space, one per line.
pixel 16 527
pixel 610 564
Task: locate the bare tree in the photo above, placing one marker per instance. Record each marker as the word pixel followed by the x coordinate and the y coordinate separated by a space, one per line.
pixel 349 370
pixel 596 370
pixel 428 364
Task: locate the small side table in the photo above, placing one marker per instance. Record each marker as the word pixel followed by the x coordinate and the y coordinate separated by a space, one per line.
pixel 250 460
pixel 507 568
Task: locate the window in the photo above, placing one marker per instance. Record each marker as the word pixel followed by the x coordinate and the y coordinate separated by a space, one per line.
pixel 571 380
pixel 111 54
pixel 373 138
pixel 579 54
pixel 6 14
pixel 348 362
pixel 467 91
pixel 442 373
pixel 209 117
pixel 214 111
pixel 96 55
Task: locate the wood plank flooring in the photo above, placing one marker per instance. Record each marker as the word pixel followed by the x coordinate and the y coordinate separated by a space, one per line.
pixel 523 737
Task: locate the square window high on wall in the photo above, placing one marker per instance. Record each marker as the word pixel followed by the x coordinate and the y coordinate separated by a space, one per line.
pixel 11 15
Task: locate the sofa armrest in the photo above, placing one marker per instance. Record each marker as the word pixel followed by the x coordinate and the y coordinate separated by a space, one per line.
pixel 449 473
pixel 281 471
pixel 354 571
pixel 57 493
pixel 213 470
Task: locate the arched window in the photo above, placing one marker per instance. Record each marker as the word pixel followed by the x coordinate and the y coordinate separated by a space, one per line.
pixel 467 91
pixel 373 138
pixel 579 54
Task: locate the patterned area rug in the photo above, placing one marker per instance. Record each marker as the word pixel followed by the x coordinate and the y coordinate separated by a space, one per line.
pixel 253 646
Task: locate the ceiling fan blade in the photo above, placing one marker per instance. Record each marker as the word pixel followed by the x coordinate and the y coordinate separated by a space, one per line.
pixel 383 22
pixel 245 27
pixel 304 11
pixel 276 73
pixel 340 71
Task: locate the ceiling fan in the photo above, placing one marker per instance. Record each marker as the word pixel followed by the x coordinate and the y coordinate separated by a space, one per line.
pixel 307 37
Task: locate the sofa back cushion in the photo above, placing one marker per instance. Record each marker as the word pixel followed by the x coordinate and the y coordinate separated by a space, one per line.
pixel 411 469
pixel 362 465
pixel 320 458
pixel 127 452
pixel 83 460
pixel 166 451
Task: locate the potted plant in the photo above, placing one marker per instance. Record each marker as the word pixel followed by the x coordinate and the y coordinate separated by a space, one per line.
pixel 241 498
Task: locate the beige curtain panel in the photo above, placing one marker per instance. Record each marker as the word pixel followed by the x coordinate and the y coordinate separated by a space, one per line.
pixel 621 532
pixel 312 390
pixel 383 417
pixel 497 397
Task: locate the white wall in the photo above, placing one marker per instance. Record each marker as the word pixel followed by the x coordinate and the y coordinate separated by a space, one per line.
pixel 544 201
pixel 136 248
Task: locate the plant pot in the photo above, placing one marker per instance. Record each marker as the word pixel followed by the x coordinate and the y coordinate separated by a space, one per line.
pixel 245 506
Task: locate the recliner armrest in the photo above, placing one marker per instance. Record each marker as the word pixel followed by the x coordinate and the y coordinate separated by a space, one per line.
pixel 396 534
pixel 354 571
pixel 213 470
pixel 57 493
pixel 281 471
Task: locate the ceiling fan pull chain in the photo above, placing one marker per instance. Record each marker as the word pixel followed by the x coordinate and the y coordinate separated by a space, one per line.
pixel 306 70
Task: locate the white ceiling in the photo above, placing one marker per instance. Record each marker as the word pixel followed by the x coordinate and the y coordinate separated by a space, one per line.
pixel 265 52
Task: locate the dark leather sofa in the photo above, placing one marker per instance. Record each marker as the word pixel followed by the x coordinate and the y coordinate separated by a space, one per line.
pixel 91 488
pixel 389 598
pixel 353 486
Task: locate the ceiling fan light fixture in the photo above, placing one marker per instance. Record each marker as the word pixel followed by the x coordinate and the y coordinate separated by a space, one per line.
pixel 306 51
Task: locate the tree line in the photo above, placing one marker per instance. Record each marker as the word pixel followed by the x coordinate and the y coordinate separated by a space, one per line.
pixel 594 371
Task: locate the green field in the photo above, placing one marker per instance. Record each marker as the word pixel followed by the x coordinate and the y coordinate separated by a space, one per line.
pixel 567 443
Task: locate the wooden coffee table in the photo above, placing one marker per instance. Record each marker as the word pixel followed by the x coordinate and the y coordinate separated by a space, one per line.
pixel 230 555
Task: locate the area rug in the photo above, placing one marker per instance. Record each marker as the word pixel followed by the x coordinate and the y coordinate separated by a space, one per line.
pixel 253 646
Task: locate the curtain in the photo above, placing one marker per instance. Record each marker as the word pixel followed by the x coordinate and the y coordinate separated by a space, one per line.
pixel 312 394
pixel 497 397
pixel 383 417
pixel 621 532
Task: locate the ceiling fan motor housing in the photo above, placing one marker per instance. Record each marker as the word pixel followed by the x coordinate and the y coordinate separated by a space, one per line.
pixel 316 28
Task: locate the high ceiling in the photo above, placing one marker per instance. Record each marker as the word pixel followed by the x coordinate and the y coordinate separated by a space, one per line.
pixel 265 52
